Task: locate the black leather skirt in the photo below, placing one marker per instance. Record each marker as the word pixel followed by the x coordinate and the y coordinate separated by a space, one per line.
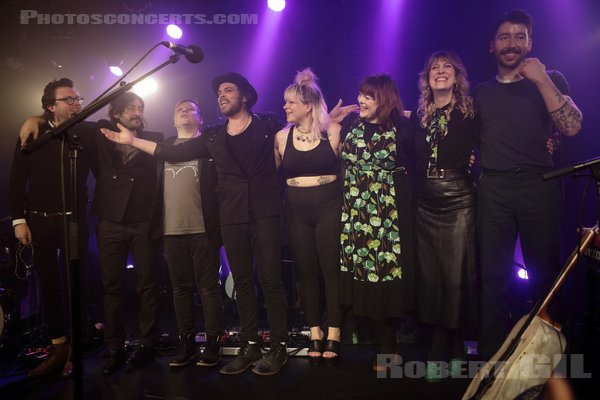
pixel 446 251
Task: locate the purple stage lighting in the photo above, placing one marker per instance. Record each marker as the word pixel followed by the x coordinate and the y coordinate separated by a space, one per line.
pixel 276 5
pixel 116 70
pixel 174 31
pixel 521 272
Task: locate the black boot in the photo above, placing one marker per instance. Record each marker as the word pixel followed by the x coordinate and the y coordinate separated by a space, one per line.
pixel 114 361
pixel 248 355
pixel 188 351
pixel 212 352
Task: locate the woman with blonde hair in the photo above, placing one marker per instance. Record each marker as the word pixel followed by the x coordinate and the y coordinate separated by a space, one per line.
pixel 445 129
pixel 307 149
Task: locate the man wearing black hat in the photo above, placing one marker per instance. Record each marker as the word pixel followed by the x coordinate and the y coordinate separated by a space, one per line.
pixel 249 207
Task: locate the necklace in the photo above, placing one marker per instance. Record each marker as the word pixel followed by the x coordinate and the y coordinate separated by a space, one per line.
pixel 246 125
pixel 304 138
pixel 301 131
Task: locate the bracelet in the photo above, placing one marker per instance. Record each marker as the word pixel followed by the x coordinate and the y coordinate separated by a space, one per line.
pixel 560 108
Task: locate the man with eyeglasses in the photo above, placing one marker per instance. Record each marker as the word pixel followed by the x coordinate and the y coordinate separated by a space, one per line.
pixel 124 204
pixel 38 211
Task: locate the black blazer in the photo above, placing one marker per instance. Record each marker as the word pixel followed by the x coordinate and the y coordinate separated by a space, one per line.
pixel 210 204
pixel 124 192
pixel 35 179
pixel 242 197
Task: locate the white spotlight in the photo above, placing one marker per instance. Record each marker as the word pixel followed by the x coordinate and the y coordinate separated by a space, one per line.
pixel 276 5
pixel 145 87
pixel 116 70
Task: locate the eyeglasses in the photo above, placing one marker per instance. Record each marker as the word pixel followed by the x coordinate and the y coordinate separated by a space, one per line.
pixel 71 100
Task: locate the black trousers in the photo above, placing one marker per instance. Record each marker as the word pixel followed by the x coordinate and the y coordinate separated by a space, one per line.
pixel 47 238
pixel 260 241
pixel 194 266
pixel 511 202
pixel 313 217
pixel 115 240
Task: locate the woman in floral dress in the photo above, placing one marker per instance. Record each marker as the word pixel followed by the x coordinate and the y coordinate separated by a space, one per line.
pixel 377 244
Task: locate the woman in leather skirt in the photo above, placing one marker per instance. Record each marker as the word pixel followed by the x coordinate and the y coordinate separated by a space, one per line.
pixel 445 128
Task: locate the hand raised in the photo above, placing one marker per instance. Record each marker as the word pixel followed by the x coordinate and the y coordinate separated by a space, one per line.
pixel 533 69
pixel 30 127
pixel 338 113
pixel 124 136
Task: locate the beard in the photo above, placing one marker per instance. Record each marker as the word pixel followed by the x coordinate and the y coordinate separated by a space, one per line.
pixel 519 53
pixel 232 108
pixel 133 124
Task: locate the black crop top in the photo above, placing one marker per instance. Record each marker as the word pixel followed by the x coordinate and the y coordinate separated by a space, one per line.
pixel 316 162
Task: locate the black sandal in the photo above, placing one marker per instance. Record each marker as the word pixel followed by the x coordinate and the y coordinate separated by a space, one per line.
pixel 333 346
pixel 316 346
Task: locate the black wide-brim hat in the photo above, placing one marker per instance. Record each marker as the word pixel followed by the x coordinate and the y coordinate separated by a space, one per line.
pixel 241 82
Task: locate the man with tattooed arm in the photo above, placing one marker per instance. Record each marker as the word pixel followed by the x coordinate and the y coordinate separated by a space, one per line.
pixel 520 108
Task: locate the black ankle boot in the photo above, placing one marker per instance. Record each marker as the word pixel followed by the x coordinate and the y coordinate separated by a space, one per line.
pixel 212 352
pixel 188 351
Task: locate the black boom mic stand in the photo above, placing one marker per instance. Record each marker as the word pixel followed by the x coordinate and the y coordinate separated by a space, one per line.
pixel 72 245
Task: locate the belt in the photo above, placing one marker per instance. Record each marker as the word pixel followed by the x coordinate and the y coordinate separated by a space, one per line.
pixel 49 214
pixel 440 173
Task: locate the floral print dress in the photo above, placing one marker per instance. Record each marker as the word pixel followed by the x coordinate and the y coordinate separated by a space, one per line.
pixel 371 253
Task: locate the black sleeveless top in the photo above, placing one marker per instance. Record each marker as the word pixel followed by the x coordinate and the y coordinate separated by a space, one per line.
pixel 316 162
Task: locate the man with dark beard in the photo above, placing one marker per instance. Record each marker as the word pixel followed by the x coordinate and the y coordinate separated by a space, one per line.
pixel 249 209
pixel 518 108
pixel 124 204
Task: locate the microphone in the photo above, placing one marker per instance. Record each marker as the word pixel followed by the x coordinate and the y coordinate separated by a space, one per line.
pixel 194 54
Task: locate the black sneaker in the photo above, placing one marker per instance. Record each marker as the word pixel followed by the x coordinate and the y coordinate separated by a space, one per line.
pixel 212 352
pixel 274 360
pixel 247 356
pixel 188 351
pixel 141 357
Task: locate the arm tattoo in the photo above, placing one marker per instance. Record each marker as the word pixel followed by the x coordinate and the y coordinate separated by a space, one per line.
pixel 559 96
pixel 567 118
pixel 293 182
pixel 324 180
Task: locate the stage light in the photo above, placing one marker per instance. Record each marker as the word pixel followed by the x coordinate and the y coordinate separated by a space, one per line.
pixel 129 266
pixel 116 70
pixel 521 271
pixel 276 5
pixel 174 31
pixel 145 87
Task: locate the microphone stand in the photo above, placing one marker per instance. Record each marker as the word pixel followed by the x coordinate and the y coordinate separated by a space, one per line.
pixel 73 244
pixel 506 358
pixel 593 165
pixel 591 276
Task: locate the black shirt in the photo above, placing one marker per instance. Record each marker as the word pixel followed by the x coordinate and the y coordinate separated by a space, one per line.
pixel 35 179
pixel 315 162
pixel 454 149
pixel 241 147
pixel 515 123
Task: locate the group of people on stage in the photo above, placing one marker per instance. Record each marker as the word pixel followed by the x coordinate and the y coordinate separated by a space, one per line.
pixel 380 202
